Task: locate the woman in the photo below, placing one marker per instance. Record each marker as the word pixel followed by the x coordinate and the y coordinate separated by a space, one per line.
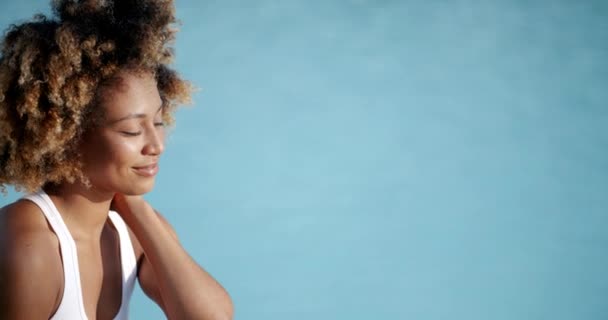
pixel 84 98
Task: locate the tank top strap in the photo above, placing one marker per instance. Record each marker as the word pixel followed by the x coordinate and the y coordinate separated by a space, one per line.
pixel 128 263
pixel 72 305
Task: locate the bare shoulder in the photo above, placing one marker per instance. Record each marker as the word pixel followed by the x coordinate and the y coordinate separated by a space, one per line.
pixel 23 220
pixel 30 264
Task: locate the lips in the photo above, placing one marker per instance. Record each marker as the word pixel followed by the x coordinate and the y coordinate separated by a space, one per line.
pixel 147 170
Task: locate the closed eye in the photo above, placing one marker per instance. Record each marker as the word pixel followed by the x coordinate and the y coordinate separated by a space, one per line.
pixel 131 134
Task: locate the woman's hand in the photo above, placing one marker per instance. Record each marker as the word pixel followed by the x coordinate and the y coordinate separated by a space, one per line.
pixel 181 287
pixel 127 206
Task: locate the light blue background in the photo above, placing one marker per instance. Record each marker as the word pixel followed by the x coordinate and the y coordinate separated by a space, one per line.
pixel 392 159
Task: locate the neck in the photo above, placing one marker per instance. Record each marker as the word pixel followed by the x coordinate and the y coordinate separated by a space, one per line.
pixel 83 209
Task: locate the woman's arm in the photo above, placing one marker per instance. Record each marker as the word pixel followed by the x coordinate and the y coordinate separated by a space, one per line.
pixel 30 266
pixel 169 275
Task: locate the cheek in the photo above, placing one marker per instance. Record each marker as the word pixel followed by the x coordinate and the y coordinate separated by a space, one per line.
pixel 109 157
pixel 123 153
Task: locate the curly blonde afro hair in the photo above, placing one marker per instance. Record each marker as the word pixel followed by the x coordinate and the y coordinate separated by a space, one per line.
pixel 52 69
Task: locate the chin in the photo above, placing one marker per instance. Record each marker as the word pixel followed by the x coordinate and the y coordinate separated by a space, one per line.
pixel 141 190
pixel 127 184
pixel 137 189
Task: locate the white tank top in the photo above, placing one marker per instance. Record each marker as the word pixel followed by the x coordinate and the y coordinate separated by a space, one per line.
pixel 72 305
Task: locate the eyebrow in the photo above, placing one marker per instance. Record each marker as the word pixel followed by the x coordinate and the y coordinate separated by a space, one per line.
pixel 134 116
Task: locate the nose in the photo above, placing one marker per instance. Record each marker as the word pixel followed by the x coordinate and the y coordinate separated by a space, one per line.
pixel 155 144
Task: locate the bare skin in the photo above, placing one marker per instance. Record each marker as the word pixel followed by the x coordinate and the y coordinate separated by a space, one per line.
pixel 120 159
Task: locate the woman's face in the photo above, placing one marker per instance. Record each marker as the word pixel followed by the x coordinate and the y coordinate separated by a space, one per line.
pixel 122 153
